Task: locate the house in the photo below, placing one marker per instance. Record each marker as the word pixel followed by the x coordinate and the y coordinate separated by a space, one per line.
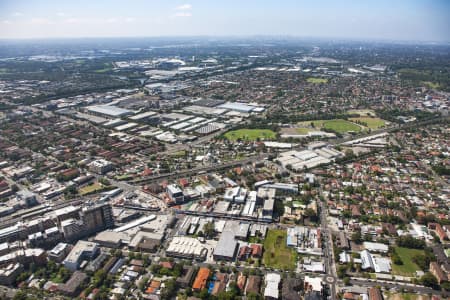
pixel 290 289
pixel 253 284
pixel 220 283
pixel 167 264
pixel 186 277
pixel 253 250
pixel 241 280
pixel 343 241
pixel 201 279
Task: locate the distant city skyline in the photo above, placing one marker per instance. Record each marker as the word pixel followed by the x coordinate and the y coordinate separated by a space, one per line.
pixel 400 20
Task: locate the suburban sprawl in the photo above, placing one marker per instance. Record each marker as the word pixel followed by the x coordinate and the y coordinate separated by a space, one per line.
pixel 284 169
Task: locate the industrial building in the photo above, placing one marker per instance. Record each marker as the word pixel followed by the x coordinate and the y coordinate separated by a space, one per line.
pixel 306 159
pixel 108 111
pixel 378 264
pixel 240 107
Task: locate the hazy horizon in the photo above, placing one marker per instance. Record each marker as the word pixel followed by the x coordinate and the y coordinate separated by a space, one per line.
pixel 392 21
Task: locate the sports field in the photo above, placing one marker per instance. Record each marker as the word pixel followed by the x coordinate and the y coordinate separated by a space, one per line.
pixel 250 134
pixel 362 112
pixel 372 123
pixel 316 80
pixel 337 125
pixel 277 255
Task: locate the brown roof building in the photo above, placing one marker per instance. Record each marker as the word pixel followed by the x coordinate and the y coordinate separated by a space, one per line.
pixel 436 270
pixel 201 279
pixel 72 287
pixel 375 294
pixel 253 284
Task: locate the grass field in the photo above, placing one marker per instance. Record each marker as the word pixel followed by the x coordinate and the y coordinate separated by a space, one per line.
pixel 409 267
pixel 432 85
pixel 276 254
pixel 362 112
pixel 90 189
pixel 107 68
pixel 372 123
pixel 250 134
pixel 405 296
pixel 303 130
pixel 316 80
pixel 338 125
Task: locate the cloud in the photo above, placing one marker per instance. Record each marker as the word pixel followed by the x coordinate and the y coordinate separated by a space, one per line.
pixel 184 7
pixel 6 22
pixel 183 15
pixel 130 20
pixel 17 14
pixel 61 14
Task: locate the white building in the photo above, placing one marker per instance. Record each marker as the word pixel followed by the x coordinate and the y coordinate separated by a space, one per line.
pixel 83 250
pixel 272 285
pixel 100 166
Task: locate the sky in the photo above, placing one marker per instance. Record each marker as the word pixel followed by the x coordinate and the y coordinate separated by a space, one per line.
pixel 387 20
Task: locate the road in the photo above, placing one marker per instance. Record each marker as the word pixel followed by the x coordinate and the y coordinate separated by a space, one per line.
pixel 397 285
pixel 330 267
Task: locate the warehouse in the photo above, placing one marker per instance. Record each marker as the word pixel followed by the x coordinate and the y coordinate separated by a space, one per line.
pixel 237 106
pixel 109 111
pixel 300 160
pixel 149 117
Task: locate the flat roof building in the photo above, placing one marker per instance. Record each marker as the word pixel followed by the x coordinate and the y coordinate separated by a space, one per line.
pixel 226 246
pixel 272 286
pixel 81 251
pixel 109 111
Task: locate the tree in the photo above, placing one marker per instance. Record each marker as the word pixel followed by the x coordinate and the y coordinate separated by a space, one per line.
pixel 203 294
pixel 342 271
pixel 143 283
pixel 421 260
pixel 445 285
pixel 357 237
pixel 20 295
pixel 254 296
pixel 346 280
pixel 429 280
pixel 408 241
pixel 208 229
pixel 99 277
